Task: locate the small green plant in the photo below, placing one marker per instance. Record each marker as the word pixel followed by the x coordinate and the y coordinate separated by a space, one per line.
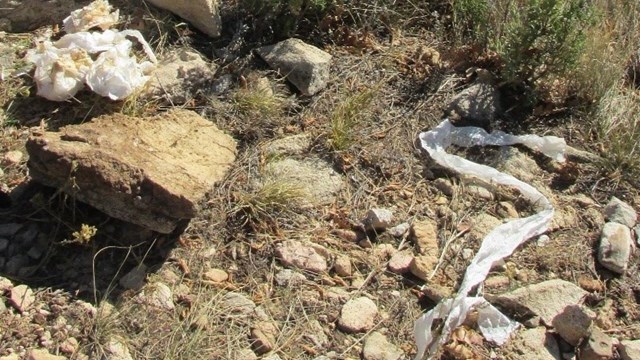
pixel 259 99
pixel 345 117
pixel 258 208
pixel 82 236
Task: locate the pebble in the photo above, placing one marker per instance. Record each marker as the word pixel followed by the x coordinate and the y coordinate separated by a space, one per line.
pixel 263 337
pixel 315 333
pixel 358 315
pixel 116 350
pixel 12 158
pixel 21 298
pixel 216 275
pixel 422 266
pixel 497 282
pixel 43 354
pixel 573 323
pixel 233 302
pixel 245 354
pixel 615 247
pixel 400 262
pixel 536 344
pixel 506 210
pixel 294 253
pixel 425 236
pixel 9 230
pixel 399 230
pixel 134 279
pixel 599 346
pixel 288 277
pixel 620 212
pixel 445 186
pixel 159 295
pixel 342 266
pixel 543 240
pixel 629 349
pixel 4 243
pixel 467 253
pixel 69 346
pixel 378 219
pixel 377 347
pixel 480 192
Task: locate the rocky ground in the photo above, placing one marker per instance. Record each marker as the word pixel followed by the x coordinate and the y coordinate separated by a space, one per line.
pixel 267 199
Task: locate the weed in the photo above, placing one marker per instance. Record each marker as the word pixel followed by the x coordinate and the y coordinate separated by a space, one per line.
pixel 618 128
pixel 259 99
pixel 283 17
pixel 345 117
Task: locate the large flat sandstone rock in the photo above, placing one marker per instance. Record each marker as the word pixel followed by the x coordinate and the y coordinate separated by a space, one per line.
pixel 148 171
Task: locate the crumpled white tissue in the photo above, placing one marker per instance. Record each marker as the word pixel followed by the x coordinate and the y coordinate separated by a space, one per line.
pixel 97 14
pixel 498 244
pixel 101 60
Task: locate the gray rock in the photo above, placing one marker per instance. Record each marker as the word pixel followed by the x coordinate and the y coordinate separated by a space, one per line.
pixel 288 277
pixel 134 279
pixel 158 295
pixel 599 346
pixel 316 181
pixel 10 229
pixel 445 186
pixel 179 76
pixel 15 263
pixel 305 66
pixel 377 347
pixel 399 230
pixel 574 323
pixel 358 315
pixel 4 243
pixel 536 344
pixel 628 349
pixel 290 145
pixel 263 337
pixel 5 284
pixel 27 238
pixel 378 219
pixel 546 299
pixel 28 15
pixel 245 354
pixel 202 14
pixel 477 105
pixel 236 303
pixel 116 350
pixel 148 171
pixel 222 84
pixel 615 247
pixel 315 333
pixel 620 212
pixel 294 253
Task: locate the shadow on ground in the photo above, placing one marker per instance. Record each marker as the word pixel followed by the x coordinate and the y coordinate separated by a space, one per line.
pixel 47 240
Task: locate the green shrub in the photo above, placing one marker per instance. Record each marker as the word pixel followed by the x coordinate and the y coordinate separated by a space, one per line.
pixel 283 17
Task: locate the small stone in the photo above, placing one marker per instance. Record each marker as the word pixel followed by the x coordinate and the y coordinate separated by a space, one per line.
pixel 599 346
pixel 288 277
pixel 245 354
pixel 294 253
pixel 482 225
pixel 629 349
pixel 546 299
pixel 69 346
pixel 507 210
pixel 315 333
pixel 305 66
pixel 377 347
pixel 445 186
pixel 399 230
pixel 12 158
pixel 343 266
pixel 615 247
pixel 543 240
pixel 620 212
pixel 467 253
pixel 43 354
pixel 336 295
pixel 590 284
pixel 16 263
pixel 347 235
pixel 216 275
pixel 10 229
pixel 358 315
pixel 436 293
pixel 573 323
pixel 35 252
pixel 477 105
pixel 497 282
pixel 4 243
pixel 358 282
pixel 116 350
pixel 222 84
pixel 21 298
pixel 263 337
pixel 233 302
pixel 290 145
pixel 378 219
pixel 400 262
pixel 422 266
pixel 536 344
pixel 159 295
pixel 480 192
pixel 272 356
pixel 134 279
pixel 5 284
pixel 425 236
